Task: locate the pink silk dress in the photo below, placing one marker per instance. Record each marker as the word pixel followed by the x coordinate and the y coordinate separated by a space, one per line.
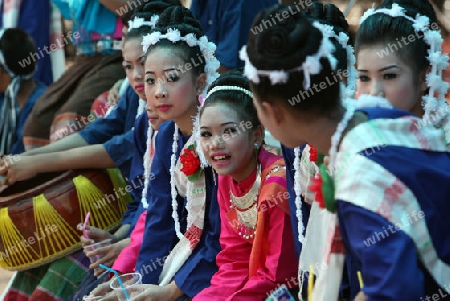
pixel 250 269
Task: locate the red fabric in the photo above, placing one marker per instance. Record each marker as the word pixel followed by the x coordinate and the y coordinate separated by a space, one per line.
pixel 126 261
pixel 101 104
pixel 279 262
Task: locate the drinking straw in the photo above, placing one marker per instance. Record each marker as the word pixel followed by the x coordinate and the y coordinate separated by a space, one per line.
pixel 310 282
pixel 360 279
pixel 118 279
pixel 86 219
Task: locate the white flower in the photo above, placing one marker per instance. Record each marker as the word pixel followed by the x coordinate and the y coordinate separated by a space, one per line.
pixel 443 88
pixel 173 35
pixel 343 39
pixel 421 23
pixel 433 80
pixel 312 65
pixel 439 60
pixel 278 76
pixel 251 72
pixel 154 19
pixel 136 23
pixel 191 40
pixel 430 104
pixel 371 101
pixel 150 39
pixel 333 61
pixel 211 48
pixel 203 43
pixel 433 37
pixel 367 14
pixel 396 11
pixel 326 30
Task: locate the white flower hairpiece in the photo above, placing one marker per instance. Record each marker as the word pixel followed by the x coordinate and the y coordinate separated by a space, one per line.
pixel 139 22
pixel 310 66
pixel 343 39
pixel 437 59
pixel 206 47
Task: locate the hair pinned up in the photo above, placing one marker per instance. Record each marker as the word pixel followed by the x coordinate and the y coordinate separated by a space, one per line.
pixel 390 24
pixel 297 50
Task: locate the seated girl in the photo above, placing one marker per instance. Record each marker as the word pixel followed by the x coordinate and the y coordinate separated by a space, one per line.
pixel 181 235
pixel 256 237
pixel 19 91
pixel 385 174
pixel 114 131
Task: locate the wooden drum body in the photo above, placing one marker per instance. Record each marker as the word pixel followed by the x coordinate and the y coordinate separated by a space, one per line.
pixel 38 217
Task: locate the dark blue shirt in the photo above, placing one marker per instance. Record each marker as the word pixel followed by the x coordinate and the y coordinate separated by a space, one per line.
pixel 160 237
pixel 227 23
pixel 391 267
pixel 115 131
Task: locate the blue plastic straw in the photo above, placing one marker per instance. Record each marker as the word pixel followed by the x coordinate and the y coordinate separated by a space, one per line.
pixel 118 280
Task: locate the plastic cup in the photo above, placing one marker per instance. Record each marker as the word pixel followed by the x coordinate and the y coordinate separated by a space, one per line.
pixel 129 281
pixel 94 247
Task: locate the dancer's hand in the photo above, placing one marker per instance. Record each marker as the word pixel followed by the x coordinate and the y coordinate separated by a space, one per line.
pixel 361 297
pixel 17 168
pixel 113 96
pixel 102 290
pixel 95 235
pixel 150 292
pixel 107 255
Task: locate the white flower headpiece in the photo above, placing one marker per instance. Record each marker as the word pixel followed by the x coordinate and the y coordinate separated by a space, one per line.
pixel 211 65
pixel 139 22
pixel 206 47
pixel 343 39
pixel 310 66
pixel 438 61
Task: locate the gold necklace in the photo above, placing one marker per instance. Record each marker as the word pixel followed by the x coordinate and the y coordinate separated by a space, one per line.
pixel 246 209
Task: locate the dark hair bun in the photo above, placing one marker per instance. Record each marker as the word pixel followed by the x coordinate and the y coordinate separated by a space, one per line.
pixel 180 18
pixel 328 14
pixel 331 15
pixel 282 44
pixel 156 7
pixel 234 77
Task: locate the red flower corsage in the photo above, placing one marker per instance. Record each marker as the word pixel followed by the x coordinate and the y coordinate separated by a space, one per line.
pixel 191 163
pixel 314 155
pixel 323 187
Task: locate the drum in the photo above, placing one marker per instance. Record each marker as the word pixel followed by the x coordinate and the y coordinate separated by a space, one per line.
pixel 39 216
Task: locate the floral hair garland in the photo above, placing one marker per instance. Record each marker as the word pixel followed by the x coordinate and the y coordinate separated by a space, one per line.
pixel 211 65
pixel 206 47
pixel 139 22
pixel 437 59
pixel 147 165
pixel 342 39
pixel 310 66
